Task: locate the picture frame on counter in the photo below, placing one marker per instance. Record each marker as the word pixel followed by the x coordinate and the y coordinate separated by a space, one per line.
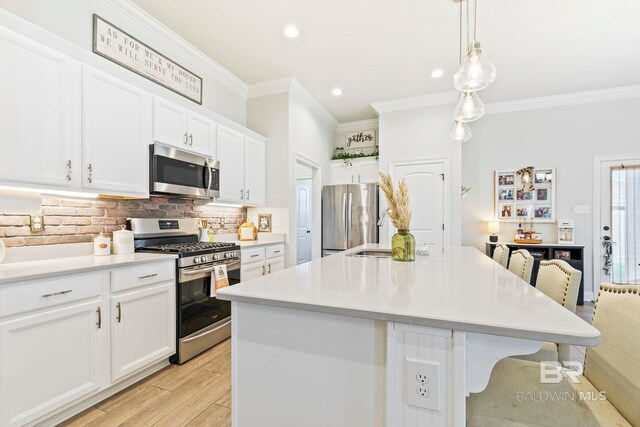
pixel 120 47
pixel 516 203
pixel 264 223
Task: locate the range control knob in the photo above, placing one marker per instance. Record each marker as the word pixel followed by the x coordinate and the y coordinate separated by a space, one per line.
pixel 216 257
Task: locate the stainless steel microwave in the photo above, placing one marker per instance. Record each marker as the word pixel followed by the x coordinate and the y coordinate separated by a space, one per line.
pixel 175 172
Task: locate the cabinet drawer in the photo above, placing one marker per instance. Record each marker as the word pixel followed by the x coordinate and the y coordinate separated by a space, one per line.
pixel 49 293
pixel 252 255
pixel 275 250
pixel 143 275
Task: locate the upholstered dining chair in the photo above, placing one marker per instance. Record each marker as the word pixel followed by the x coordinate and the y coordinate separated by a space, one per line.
pixel 561 282
pixel 512 397
pixel 521 264
pixel 501 254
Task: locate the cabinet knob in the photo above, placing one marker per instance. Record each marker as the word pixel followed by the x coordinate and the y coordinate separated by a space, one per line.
pixel 90 177
pixel 68 170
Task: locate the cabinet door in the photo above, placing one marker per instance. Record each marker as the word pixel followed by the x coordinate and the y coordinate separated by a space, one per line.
pixel 39 101
pixel 143 328
pixel 340 173
pixel 366 171
pixel 230 151
pixel 169 123
pixel 116 135
pixel 252 271
pixel 275 264
pixel 254 172
pixel 201 134
pixel 49 360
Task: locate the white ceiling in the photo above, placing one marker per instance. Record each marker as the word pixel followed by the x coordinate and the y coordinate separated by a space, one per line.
pixel 378 50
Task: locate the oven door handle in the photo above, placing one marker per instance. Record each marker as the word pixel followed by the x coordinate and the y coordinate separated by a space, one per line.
pixel 206 333
pixel 202 270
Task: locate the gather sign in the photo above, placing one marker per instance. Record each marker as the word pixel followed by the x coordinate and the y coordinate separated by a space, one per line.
pixel 116 45
pixel 361 139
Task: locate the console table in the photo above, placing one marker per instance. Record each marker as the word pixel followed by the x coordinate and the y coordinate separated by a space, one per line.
pixel 544 251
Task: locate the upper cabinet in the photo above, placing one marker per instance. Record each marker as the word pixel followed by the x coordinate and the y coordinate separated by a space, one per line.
pixel 40 105
pixel 254 172
pixel 360 171
pixel 116 129
pixel 177 126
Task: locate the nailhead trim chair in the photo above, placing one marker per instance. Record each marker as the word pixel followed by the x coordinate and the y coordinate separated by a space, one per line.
pixel 516 397
pixel 521 264
pixel 501 254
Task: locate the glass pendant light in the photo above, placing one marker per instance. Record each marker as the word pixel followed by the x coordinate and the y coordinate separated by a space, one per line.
pixel 477 73
pixel 460 132
pixel 469 107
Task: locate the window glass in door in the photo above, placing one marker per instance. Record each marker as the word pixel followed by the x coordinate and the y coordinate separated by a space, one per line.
pixel 625 225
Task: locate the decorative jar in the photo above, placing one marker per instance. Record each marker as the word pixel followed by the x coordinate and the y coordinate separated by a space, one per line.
pixel 403 246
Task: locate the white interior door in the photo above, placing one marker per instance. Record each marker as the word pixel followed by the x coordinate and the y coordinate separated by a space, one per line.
pixel 619 239
pixel 426 200
pixel 304 224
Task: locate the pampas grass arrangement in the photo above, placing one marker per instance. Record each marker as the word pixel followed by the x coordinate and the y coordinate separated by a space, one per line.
pixel 397 200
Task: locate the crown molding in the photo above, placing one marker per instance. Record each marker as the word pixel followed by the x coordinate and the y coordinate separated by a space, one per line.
pixel 564 100
pixel 431 100
pixel 293 87
pixel 357 125
pixel 143 24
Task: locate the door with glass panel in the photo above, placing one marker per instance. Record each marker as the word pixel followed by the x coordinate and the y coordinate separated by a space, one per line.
pixel 619 245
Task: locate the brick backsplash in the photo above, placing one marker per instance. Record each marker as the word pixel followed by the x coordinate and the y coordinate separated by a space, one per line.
pixel 78 221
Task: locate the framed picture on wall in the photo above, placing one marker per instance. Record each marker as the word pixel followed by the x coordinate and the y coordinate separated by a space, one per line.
pixel 515 201
pixel 264 223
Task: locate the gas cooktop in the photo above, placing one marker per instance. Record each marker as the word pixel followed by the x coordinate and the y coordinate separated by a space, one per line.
pixel 190 248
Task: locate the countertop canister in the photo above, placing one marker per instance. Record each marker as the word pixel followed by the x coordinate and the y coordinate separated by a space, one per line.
pixel 102 245
pixel 123 241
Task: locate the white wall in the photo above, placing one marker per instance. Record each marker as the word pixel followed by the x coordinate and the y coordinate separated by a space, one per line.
pixel 421 133
pixel 566 138
pixel 72 20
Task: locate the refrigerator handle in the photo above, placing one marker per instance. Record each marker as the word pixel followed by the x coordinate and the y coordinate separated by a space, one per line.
pixel 349 219
pixel 344 215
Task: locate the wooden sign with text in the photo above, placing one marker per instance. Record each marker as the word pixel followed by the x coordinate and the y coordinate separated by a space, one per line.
pixel 114 44
pixel 361 139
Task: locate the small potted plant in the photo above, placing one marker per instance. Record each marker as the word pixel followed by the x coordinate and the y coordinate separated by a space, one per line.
pixel 403 244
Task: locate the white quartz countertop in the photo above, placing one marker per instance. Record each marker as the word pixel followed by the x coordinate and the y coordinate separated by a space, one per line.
pixel 20 271
pixel 459 288
pixel 264 239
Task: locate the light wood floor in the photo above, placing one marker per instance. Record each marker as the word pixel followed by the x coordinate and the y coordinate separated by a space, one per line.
pixel 197 393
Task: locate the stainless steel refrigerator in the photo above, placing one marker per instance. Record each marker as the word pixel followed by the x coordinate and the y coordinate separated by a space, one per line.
pixel 349 216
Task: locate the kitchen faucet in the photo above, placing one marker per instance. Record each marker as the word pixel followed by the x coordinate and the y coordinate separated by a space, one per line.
pixel 383 216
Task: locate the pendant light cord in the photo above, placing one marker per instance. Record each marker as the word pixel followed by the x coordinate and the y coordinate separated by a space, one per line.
pixel 460 39
pixel 475 20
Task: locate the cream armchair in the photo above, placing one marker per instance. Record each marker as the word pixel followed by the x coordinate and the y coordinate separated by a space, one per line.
pixel 561 282
pixel 501 254
pixel 513 396
pixel 521 264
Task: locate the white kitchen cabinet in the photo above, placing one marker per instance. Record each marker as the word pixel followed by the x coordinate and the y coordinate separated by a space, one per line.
pixel 254 172
pixel 142 328
pixel 179 127
pixel 116 128
pixel 275 264
pixel 252 270
pixel 50 359
pixel 230 153
pixel 360 171
pixel 40 104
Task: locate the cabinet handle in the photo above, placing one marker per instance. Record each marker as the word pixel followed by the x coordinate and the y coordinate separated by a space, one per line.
pixel 242 194
pixel 190 139
pixel 269 268
pixel 247 194
pixel 276 252
pixel 90 169
pixel 254 255
pixel 68 291
pixel 99 322
pixel 68 170
pixel 358 178
pixel 186 140
pixel 352 179
pixel 148 276
pixel 263 269
pixel 119 315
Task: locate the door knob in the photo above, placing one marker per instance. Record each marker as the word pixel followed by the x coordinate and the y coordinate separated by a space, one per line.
pixel 308 231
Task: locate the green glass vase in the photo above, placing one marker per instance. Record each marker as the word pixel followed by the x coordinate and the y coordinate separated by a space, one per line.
pixel 403 246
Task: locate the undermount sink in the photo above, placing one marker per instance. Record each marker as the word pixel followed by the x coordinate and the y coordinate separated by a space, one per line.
pixel 372 253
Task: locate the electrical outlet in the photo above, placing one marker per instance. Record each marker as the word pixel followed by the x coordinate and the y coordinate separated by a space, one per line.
pixel 37 223
pixel 423 384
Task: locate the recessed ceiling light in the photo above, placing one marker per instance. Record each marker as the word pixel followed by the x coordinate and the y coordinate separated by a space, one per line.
pixel 291 31
pixel 437 73
pixel 336 92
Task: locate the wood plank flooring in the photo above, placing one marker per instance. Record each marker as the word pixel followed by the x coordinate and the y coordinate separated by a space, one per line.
pixel 197 393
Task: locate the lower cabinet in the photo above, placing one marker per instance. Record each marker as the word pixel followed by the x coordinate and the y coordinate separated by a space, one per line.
pixel 252 270
pixel 50 359
pixel 67 338
pixel 275 264
pixel 261 261
pixel 142 328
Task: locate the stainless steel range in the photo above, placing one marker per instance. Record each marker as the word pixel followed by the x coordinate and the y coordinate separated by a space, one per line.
pixel 202 320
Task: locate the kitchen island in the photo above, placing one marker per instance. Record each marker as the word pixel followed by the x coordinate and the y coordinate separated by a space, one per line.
pixel 346 341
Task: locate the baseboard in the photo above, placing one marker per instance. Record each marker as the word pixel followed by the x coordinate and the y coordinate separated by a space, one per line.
pixel 87 403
